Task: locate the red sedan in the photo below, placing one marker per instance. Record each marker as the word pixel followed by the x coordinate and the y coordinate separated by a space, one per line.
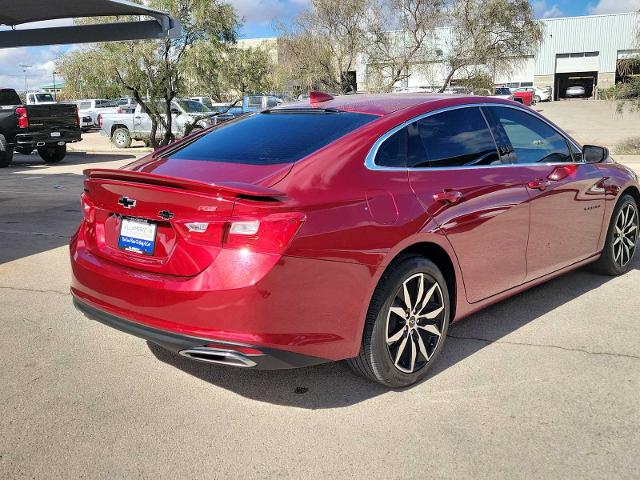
pixel 356 227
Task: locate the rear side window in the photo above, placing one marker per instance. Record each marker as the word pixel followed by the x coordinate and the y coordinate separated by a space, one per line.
pixel 532 139
pixel 393 152
pixel 457 138
pixel 272 138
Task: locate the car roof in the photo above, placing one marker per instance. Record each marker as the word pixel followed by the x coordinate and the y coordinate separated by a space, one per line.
pixel 385 104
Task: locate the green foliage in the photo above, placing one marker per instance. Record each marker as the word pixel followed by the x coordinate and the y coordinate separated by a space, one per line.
pixel 153 72
pixel 491 33
pixel 630 146
pixel 229 72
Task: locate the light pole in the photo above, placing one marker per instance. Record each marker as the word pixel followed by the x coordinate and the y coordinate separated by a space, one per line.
pixel 55 92
pixel 25 69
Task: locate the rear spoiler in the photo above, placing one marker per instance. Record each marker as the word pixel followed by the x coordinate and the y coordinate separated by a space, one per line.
pixel 231 189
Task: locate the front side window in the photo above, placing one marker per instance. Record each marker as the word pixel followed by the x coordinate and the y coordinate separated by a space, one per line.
pixel 282 136
pixel 533 140
pixel 456 138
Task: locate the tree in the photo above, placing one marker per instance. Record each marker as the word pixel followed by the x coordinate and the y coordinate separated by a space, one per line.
pixel 153 71
pixel 86 76
pixel 227 73
pixel 496 34
pixel 248 71
pixel 322 44
pixel 399 35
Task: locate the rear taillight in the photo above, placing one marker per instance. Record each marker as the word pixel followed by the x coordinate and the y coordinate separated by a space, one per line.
pixel 88 208
pixel 262 233
pixel 100 121
pixel 266 234
pixel 23 117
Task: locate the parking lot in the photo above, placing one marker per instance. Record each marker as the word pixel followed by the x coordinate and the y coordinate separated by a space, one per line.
pixel 543 385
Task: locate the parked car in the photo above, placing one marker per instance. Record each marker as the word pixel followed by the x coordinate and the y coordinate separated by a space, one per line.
pixel 45 127
pixel 40 98
pixel 503 92
pixel 356 227
pixel 86 122
pixel 539 94
pixel 523 96
pixel 257 103
pixel 206 101
pixel 575 91
pixel 126 105
pixel 122 128
pixel 94 107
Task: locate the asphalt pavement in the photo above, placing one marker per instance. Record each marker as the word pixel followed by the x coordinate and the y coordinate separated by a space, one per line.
pixel 544 385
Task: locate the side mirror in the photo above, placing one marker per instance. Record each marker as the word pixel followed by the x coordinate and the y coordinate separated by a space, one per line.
pixel 175 111
pixel 593 154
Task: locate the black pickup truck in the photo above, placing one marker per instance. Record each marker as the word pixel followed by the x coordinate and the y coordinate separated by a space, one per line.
pixel 47 128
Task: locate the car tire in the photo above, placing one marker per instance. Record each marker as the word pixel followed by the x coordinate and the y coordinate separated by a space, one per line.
pixel 393 346
pixel 6 153
pixel 121 138
pixel 622 239
pixel 53 154
pixel 24 150
pixel 537 99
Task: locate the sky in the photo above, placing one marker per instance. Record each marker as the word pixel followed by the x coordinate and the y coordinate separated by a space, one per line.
pixel 259 18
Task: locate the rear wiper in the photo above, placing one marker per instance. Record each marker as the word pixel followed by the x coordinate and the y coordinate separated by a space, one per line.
pixel 302 110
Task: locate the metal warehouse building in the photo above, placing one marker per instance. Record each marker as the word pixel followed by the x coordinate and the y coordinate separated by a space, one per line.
pixel 575 50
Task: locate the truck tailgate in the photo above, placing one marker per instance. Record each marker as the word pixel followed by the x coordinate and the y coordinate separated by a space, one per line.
pixel 52 117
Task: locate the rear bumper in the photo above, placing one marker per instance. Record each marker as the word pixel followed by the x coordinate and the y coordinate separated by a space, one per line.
pixel 314 308
pixel 188 346
pixel 44 138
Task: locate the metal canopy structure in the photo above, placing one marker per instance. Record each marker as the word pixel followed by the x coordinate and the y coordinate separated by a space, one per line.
pixel 14 13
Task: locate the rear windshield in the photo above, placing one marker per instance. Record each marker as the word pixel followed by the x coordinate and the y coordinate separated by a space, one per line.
pixel 9 97
pixel 272 138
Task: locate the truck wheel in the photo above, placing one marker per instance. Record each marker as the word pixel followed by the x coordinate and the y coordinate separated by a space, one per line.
pixel 6 153
pixel 24 150
pixel 53 154
pixel 121 138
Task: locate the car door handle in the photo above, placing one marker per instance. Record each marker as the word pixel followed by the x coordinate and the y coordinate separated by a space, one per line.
pixel 539 184
pixel 449 196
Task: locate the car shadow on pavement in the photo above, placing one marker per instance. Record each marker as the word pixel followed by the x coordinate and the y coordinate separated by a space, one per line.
pixel 39 209
pixel 335 386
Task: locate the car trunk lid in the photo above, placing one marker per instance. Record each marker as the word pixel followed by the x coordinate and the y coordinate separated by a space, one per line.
pixel 185 219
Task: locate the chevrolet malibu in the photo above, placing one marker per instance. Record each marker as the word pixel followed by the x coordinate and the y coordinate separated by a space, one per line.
pixel 356 227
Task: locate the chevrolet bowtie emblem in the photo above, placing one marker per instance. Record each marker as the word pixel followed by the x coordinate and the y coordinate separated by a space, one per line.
pixel 127 202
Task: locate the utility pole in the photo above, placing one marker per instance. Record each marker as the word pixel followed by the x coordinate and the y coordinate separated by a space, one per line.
pixel 55 94
pixel 25 69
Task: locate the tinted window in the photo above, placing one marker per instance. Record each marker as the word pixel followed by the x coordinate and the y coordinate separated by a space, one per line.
pixel 271 138
pixel 393 152
pixel 192 106
pixel 9 97
pixel 503 91
pixel 533 140
pixel 457 138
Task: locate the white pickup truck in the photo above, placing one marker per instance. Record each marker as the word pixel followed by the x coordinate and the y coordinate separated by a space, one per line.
pixel 122 128
pixel 91 108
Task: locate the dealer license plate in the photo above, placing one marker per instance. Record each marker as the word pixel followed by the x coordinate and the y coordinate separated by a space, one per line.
pixel 138 236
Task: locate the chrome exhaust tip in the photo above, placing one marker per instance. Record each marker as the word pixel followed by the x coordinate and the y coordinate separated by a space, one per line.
pixel 218 356
pixel 40 144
